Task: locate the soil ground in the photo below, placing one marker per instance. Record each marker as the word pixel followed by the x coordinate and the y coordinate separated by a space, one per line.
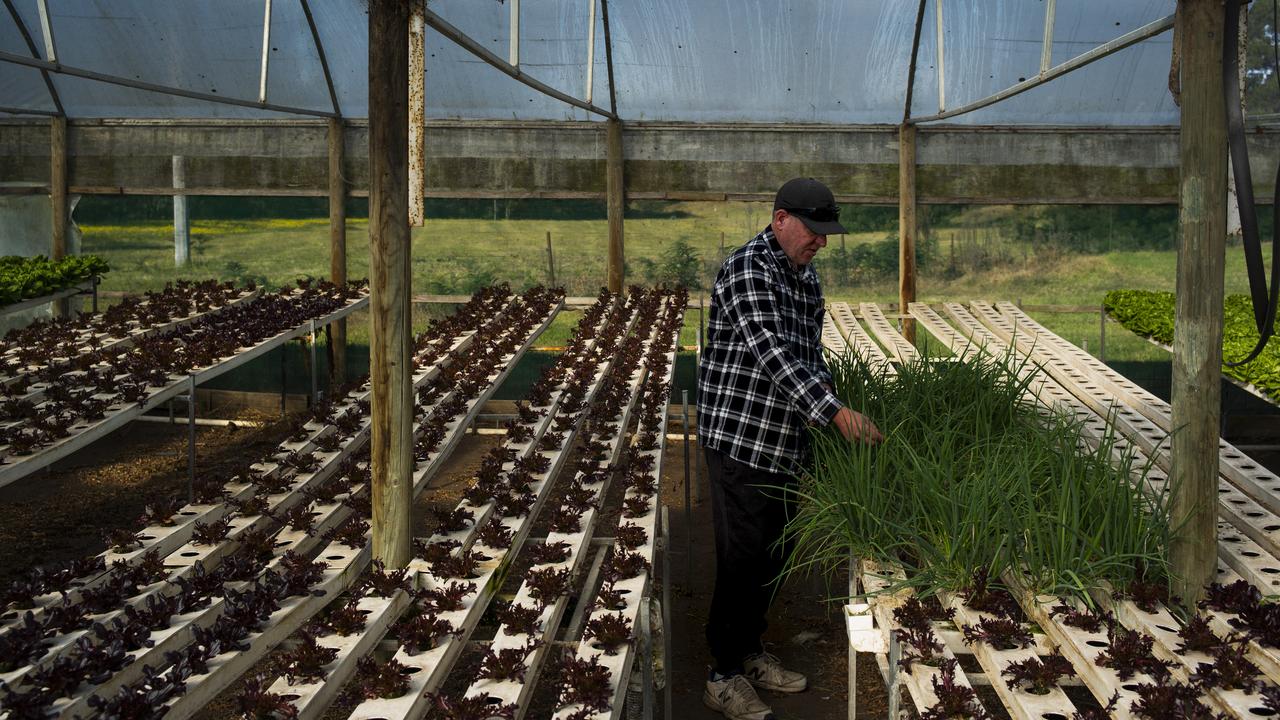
pixel 805 628
pixel 65 511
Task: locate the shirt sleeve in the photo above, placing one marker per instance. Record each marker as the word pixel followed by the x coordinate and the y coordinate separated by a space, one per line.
pixel 750 307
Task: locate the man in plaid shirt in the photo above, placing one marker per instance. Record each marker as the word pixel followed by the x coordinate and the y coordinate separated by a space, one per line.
pixel 761 384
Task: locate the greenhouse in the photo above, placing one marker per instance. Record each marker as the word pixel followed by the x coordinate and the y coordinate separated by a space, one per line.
pixel 360 358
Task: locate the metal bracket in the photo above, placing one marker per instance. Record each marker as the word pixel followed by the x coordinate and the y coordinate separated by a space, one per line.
pixel 895 682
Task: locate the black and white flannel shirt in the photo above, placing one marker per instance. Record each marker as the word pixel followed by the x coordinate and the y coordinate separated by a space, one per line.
pixel 762 373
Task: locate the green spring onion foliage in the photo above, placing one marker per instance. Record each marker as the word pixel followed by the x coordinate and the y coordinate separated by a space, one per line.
pixel 973 475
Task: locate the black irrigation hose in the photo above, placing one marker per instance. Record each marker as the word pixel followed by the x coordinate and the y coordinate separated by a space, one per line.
pixel 1264 302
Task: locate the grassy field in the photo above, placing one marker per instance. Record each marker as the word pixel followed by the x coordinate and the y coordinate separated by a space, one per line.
pixel 458 256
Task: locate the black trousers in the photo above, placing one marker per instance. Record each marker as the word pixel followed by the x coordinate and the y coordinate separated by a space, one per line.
pixel 749 521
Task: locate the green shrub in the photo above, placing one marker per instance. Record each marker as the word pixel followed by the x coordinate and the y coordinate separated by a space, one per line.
pixel 680 265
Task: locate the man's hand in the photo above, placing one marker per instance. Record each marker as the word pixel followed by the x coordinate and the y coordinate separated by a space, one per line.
pixel 857 427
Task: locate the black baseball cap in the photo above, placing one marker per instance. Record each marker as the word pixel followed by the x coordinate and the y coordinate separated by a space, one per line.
pixel 813 203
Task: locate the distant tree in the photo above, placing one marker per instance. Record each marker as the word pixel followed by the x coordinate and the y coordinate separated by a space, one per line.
pixel 1262 86
pixel 681 265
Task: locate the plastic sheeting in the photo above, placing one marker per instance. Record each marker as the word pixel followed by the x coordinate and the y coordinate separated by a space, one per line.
pixel 826 61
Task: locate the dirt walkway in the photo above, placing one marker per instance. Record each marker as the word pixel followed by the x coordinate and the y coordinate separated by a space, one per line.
pixel 805 629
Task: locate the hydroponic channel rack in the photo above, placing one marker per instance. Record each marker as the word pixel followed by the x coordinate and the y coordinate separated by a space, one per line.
pixel 1104 401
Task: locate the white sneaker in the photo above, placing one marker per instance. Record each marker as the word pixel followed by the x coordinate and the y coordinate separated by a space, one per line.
pixel 736 699
pixel 766 671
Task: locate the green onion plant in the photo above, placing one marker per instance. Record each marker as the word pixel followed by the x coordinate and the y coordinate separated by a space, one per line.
pixel 973 475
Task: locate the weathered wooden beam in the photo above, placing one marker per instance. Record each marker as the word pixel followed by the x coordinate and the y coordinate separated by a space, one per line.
pixel 337 247
pixel 907 224
pixel 391 446
pixel 1197 344
pixel 58 209
pixel 554 159
pixel 615 188
pixel 58 186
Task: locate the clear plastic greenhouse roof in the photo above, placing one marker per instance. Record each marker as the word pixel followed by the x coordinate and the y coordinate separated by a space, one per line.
pixel 798 61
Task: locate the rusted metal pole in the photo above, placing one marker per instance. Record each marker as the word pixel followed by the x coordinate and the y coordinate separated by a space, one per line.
pixel 915 54
pixel 907 226
pixel 337 247
pixel 615 190
pixel 391 441
pixel 1197 341
pixel 417 113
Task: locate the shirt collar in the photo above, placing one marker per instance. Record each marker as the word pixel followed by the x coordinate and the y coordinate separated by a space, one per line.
pixel 805 273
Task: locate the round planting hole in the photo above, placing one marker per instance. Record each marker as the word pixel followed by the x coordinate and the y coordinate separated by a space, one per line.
pixel 1262 712
pixel 190 553
pixel 1096 643
pixel 1250 553
pixel 332 557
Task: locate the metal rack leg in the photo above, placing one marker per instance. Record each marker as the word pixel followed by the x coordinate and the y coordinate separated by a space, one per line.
pixel 701 322
pixel 697 463
pixel 688 504
pixel 666 614
pixel 314 386
pixel 646 658
pixel 853 653
pixel 191 438
pixel 1102 333
pixel 284 375
pixel 895 654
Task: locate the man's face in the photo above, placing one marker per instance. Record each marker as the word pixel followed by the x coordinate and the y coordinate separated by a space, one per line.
pixel 797 240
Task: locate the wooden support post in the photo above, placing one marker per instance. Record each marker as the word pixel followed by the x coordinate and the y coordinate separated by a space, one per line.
pixel 391 416
pixel 181 214
pixel 551 263
pixel 58 211
pixel 1197 342
pixel 337 247
pixel 907 225
pixel 58 186
pixel 615 192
